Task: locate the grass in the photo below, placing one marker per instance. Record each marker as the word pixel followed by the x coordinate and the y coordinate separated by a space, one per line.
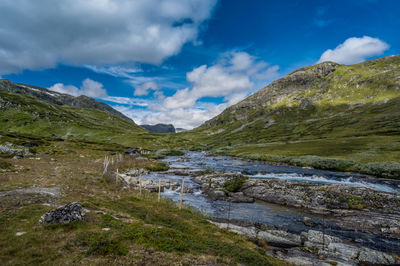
pixel 122 227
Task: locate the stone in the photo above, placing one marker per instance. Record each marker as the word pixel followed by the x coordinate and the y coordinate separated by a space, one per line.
pixel 69 213
pixel 20 233
pixel 309 222
pixel 280 238
pixel 132 152
pixel 216 195
pixel 240 197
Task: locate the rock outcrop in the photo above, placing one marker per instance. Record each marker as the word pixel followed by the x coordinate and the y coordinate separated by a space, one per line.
pixel 312 247
pixel 69 213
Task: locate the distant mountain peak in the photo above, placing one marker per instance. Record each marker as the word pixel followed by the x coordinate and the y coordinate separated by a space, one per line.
pixel 160 128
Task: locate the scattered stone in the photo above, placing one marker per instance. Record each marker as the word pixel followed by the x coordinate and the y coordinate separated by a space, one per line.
pixel 309 221
pixel 132 152
pixel 9 148
pixel 71 212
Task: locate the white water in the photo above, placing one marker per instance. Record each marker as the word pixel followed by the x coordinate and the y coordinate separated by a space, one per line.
pixel 323 180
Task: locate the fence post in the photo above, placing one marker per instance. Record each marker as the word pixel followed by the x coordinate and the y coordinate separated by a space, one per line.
pixel 183 184
pixel 140 185
pixel 159 190
pixel 116 177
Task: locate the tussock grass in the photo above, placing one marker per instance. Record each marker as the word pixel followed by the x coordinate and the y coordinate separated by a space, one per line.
pixel 122 226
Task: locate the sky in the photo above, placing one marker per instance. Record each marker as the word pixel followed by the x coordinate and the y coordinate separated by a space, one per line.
pixel 182 62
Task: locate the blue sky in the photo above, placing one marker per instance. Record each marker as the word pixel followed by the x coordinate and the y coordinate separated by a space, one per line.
pixel 184 61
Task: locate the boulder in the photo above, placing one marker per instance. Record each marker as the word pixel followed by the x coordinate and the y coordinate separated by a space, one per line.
pixel 216 195
pixel 309 221
pixel 240 197
pixel 132 151
pixel 69 213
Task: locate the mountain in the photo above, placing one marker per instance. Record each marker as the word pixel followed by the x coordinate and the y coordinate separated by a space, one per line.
pixel 160 128
pixel 58 98
pixel 179 129
pixel 328 109
pixel 26 109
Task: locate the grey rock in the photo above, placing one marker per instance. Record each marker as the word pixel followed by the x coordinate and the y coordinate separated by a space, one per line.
pixel 216 194
pixel 240 197
pixel 132 152
pixel 69 213
pixel 309 221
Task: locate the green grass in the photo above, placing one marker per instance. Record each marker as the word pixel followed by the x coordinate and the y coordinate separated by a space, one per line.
pixel 140 229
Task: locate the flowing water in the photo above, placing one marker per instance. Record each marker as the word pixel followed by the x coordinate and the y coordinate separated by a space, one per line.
pixel 284 217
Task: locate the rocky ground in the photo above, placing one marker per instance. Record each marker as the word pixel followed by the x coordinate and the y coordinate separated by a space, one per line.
pixel 312 247
pixel 347 208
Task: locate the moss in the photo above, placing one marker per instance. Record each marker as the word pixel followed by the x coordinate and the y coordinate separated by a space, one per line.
pixel 158 167
pixel 5 165
pixel 235 184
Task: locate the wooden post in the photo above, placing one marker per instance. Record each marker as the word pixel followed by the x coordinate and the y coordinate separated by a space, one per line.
pixel 180 203
pixel 229 213
pixel 159 190
pixel 116 177
pixel 140 186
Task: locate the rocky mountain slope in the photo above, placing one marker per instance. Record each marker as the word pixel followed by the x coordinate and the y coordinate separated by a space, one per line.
pixel 323 92
pixel 328 110
pixel 39 112
pixel 58 98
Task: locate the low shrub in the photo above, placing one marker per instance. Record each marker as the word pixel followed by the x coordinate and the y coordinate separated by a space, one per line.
pixel 235 184
pixel 5 165
pixel 382 169
pixel 158 167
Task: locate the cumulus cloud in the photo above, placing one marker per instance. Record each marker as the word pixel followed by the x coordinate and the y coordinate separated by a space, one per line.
pixel 355 50
pixel 232 77
pixel 95 32
pixel 89 88
pixel 143 89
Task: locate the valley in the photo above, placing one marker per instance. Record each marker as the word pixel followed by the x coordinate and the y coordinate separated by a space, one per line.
pixel 305 171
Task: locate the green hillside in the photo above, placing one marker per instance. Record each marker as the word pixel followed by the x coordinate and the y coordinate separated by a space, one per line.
pixel 349 112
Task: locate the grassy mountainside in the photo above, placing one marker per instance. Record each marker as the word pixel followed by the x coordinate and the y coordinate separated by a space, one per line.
pixel 29 115
pixel 58 98
pixel 33 112
pixel 349 112
pixel 160 128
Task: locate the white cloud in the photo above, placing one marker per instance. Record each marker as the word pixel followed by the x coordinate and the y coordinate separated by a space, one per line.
pixel 235 75
pixel 182 117
pixel 116 71
pixel 89 88
pixel 232 77
pixel 145 87
pixel 126 101
pixel 95 32
pixel 355 50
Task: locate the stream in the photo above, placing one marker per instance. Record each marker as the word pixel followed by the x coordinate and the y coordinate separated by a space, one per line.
pixel 273 215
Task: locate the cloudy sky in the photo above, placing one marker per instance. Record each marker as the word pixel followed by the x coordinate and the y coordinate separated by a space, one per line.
pixel 184 61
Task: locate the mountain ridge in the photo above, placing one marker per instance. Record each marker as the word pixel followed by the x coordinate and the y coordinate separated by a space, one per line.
pixel 58 98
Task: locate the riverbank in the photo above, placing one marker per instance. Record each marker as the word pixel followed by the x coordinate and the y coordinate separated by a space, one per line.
pixel 121 227
pixel 360 212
